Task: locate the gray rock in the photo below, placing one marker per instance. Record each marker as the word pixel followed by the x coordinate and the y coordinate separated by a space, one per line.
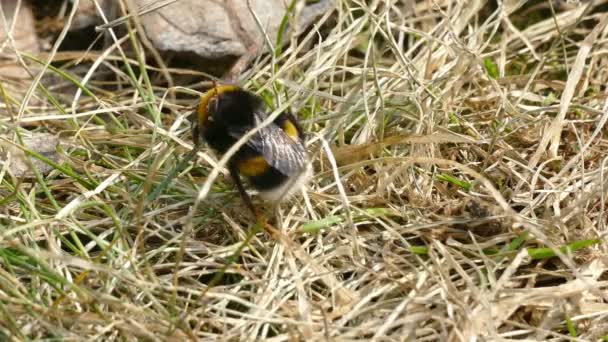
pixel 24 33
pixel 214 29
pixel 42 143
pixel 87 13
pixel 14 76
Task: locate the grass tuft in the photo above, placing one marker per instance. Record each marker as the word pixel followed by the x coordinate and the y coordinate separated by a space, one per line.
pixel 459 192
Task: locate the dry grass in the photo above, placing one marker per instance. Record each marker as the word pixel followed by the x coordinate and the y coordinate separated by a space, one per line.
pixel 459 152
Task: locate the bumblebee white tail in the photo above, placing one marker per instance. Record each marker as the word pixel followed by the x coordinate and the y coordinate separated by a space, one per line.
pixel 289 187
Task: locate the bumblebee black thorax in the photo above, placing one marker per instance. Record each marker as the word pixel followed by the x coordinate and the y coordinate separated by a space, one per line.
pixel 221 111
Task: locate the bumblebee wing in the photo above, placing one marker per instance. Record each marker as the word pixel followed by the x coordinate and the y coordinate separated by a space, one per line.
pixel 282 152
pixel 279 150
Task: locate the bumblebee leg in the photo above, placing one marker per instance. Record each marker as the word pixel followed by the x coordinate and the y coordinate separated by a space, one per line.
pixel 259 217
pixel 239 185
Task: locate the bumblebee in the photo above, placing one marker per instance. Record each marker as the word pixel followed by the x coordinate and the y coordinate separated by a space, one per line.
pixel 274 160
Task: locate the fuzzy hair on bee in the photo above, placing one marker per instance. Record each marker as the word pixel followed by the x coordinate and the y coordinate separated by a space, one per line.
pixel 274 160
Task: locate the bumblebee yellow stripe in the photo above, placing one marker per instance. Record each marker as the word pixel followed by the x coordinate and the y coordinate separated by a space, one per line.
pixel 253 166
pixel 202 111
pixel 290 129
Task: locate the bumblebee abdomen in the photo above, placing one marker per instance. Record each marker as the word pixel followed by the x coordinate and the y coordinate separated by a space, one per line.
pixel 270 179
pixel 252 166
pixel 289 125
pixel 259 173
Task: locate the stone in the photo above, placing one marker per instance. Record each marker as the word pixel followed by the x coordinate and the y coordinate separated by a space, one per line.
pixel 215 29
pixel 14 77
pixel 42 143
pixel 24 32
pixel 87 14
